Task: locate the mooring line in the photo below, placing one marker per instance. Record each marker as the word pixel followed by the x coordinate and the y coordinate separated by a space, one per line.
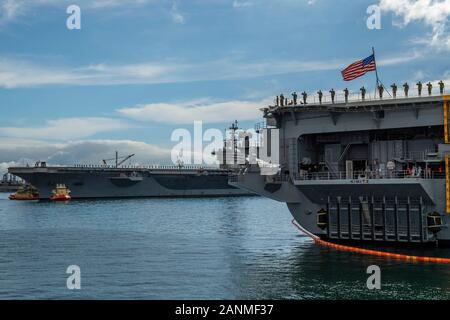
pixel 371 252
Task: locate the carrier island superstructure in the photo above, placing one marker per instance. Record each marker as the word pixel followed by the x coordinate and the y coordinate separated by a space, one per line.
pixel 372 170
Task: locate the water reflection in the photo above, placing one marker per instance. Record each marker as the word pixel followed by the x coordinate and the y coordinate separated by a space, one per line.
pixel 313 272
pixel 226 248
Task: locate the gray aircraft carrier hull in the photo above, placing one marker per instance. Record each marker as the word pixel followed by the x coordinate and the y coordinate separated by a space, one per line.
pixel 103 182
pixel 374 203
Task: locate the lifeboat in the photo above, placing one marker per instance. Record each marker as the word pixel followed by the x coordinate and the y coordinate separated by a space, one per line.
pixel 25 193
pixel 61 193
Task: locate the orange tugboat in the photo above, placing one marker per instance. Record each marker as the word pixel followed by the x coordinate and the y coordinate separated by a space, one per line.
pixel 26 192
pixel 61 193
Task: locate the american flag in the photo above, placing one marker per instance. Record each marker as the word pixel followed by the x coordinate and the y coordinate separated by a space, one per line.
pixel 359 68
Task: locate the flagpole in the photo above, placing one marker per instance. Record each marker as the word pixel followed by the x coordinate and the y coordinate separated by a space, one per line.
pixel 376 74
pixel 376 71
pixel 376 68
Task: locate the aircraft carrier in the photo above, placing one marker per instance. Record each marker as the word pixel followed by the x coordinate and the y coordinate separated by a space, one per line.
pixel 373 170
pixel 105 181
pixel 117 180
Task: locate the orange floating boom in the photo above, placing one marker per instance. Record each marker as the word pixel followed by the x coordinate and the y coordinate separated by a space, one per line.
pixel 372 252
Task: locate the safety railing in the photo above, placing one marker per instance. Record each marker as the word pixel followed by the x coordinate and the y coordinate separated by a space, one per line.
pixel 368 175
pixel 129 167
pixel 421 156
pixel 370 95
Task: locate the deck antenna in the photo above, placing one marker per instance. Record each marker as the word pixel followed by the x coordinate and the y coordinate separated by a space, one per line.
pixel 234 127
pixel 376 74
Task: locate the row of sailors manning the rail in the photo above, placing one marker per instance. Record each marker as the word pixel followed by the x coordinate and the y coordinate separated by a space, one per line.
pixel 282 101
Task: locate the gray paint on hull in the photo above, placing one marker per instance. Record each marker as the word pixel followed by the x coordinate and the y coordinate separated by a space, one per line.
pixel 98 184
pixel 305 198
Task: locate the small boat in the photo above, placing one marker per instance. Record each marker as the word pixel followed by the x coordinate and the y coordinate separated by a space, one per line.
pixel 25 193
pixel 61 193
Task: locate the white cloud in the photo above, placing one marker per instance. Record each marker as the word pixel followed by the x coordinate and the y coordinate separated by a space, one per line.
pixel 5 165
pixel 433 13
pixel 248 3
pixel 242 4
pixel 23 151
pixel 20 152
pixel 10 10
pixel 66 128
pixel 200 110
pixel 19 73
pixel 114 3
pixel 16 73
pixel 400 59
pixel 177 17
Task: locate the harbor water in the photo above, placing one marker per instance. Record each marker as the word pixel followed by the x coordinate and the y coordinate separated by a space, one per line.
pixel 212 248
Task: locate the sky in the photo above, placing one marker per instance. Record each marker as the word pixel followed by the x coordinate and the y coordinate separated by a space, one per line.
pixel 139 69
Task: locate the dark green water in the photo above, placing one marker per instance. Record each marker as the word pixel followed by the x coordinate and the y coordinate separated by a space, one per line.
pixel 227 248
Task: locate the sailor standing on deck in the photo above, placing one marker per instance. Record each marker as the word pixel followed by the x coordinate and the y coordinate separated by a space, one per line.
pixel 406 88
pixel 294 96
pixel 363 93
pixel 320 93
pixel 333 94
pixel 430 88
pixel 278 101
pixel 394 90
pixel 281 99
pixel 441 87
pixel 346 95
pixel 381 90
pixel 419 88
pixel 305 96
